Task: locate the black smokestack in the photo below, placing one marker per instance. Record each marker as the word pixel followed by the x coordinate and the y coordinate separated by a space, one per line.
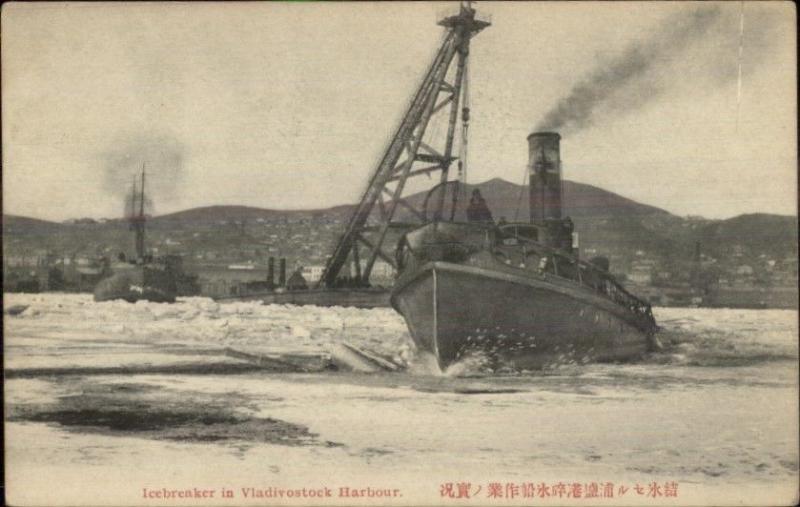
pixel 544 171
pixel 282 272
pixel 625 84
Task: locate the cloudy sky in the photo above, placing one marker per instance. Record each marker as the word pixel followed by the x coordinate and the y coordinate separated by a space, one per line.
pixel 288 105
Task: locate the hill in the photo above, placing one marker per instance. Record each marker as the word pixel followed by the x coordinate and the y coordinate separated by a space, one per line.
pixel 24 226
pixel 212 215
pixel 607 224
pixel 774 235
pixel 506 199
pixel 580 201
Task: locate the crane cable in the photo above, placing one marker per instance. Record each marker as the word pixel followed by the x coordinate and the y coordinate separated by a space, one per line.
pixel 462 149
pixel 462 167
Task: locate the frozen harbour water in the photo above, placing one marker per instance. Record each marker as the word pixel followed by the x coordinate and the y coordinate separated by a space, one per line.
pixel 715 412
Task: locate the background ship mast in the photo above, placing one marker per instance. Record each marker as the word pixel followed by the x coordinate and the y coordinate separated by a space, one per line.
pixel 137 219
pixel 407 155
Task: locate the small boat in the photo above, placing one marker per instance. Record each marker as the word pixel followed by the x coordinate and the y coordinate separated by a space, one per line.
pixel 145 277
pixel 515 293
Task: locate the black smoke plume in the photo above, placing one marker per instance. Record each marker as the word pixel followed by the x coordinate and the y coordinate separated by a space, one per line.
pixel 163 159
pixel 624 83
pixel 133 201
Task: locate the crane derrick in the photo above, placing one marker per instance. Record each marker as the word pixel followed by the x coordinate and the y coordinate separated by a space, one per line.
pixel 408 155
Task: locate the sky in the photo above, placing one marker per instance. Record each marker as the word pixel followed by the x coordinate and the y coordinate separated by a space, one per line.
pixel 290 105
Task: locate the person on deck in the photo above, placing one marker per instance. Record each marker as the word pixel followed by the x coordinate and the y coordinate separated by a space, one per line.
pixel 478 211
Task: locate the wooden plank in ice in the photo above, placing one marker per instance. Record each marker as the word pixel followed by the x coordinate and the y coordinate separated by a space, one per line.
pixel 346 356
pixel 283 362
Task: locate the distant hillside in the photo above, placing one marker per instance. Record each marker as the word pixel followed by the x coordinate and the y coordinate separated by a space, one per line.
pixel 510 201
pixel 505 199
pixel 209 215
pixel 774 235
pixel 606 222
pixel 19 225
pixel 213 214
pixel 580 200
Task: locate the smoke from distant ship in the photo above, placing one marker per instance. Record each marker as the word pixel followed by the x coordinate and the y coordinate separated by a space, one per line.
pixel 630 81
pixel 163 157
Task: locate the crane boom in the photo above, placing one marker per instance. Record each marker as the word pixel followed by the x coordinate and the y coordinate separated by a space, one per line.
pixel 407 155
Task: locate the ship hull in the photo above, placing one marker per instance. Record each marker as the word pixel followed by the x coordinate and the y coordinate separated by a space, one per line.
pixel 136 283
pixel 456 310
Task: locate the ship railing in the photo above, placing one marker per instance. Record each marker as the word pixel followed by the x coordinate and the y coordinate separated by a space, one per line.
pixel 586 274
pixel 590 276
pixel 614 290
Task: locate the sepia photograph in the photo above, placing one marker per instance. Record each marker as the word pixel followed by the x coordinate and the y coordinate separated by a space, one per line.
pixel 400 253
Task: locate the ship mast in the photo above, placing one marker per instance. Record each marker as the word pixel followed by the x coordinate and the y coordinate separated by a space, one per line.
pixel 132 211
pixel 407 155
pixel 137 218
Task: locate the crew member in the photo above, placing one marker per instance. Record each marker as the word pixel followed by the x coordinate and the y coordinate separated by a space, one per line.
pixel 478 211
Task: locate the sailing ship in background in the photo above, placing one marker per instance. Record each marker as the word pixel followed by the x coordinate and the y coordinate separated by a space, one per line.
pixel 144 277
